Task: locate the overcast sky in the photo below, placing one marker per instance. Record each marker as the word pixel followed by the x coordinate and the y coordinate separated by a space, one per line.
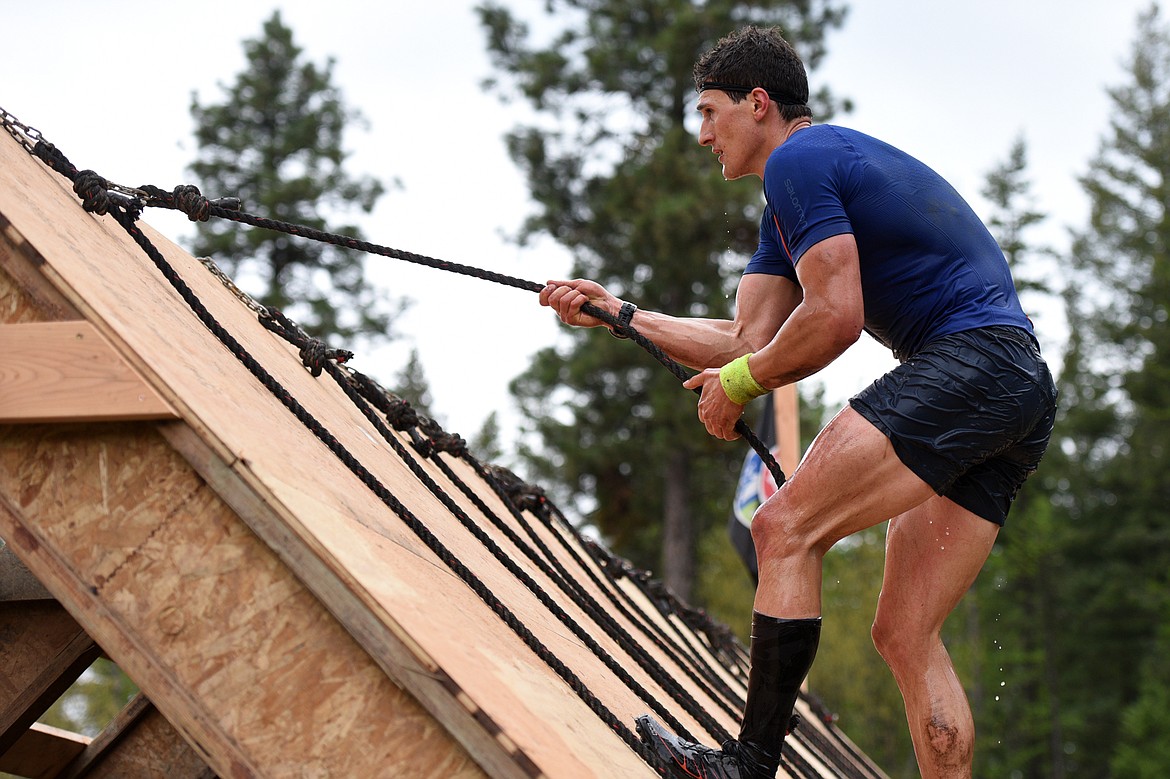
pixel 952 83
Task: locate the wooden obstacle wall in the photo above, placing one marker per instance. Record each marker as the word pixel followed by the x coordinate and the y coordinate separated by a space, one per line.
pixel 280 616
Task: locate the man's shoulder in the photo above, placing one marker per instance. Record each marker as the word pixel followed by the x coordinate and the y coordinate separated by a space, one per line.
pixel 819 142
pixel 813 151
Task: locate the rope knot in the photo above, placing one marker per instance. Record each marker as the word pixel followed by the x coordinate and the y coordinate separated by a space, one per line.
pixel 400 414
pixel 93 191
pixel 442 441
pixel 313 351
pixel 314 354
pixel 524 496
pixel 190 201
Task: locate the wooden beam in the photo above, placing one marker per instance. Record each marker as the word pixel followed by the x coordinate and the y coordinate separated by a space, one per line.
pixel 25 294
pixel 66 371
pixel 138 742
pixel 786 402
pixel 48 654
pixel 42 752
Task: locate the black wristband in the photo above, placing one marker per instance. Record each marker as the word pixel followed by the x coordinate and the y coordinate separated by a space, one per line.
pixel 625 314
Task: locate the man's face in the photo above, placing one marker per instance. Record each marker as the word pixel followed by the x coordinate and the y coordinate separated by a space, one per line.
pixel 730 130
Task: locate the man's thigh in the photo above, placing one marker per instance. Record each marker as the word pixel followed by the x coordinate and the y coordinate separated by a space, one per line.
pixel 850 479
pixel 971 414
pixel 934 552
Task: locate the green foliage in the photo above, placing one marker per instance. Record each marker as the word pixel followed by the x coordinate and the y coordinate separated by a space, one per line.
pixel 1143 751
pixel 275 141
pixel 1117 399
pixel 849 675
pixel 93 700
pixel 1008 191
pixel 619 180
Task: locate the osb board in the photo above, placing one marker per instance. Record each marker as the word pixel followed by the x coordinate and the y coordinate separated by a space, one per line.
pixel 33 632
pixel 338 520
pixel 42 752
pixel 139 742
pixel 240 657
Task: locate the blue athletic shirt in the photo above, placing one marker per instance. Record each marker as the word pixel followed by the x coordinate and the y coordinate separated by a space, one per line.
pixel 929 267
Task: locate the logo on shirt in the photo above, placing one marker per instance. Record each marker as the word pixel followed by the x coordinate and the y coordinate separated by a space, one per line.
pixel 791 190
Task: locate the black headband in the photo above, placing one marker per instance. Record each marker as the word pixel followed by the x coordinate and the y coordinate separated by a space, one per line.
pixel 782 99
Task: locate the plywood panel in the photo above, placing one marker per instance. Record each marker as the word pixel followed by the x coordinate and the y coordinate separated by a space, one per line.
pixel 241 658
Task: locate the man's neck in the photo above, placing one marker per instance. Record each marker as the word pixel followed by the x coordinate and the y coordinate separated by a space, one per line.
pixel 793 126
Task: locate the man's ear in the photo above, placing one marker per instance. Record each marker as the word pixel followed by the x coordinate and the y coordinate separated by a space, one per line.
pixel 760 102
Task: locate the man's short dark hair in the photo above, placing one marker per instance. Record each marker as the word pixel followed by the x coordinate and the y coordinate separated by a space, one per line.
pixel 756 57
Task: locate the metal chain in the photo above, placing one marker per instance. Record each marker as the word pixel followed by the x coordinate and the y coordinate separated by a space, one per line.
pixel 243 297
pixel 26 136
pixel 30 137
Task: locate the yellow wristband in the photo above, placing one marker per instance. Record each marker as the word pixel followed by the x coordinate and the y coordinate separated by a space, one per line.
pixel 738 382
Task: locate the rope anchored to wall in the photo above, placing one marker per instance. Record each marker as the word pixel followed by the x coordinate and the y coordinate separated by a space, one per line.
pixel 199 208
pixel 99 195
pixel 429 442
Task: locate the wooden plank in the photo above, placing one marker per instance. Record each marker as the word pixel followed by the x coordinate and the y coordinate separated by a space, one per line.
pixel 138 742
pixel 241 659
pixel 42 752
pixel 25 294
pixel 44 652
pixel 65 371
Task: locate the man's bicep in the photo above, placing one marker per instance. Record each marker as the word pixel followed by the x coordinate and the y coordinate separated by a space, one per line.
pixel 830 277
pixel 763 304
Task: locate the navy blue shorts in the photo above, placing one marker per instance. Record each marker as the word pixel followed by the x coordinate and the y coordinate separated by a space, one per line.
pixel 970 414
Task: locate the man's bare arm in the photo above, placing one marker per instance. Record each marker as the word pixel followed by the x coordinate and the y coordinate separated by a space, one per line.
pixel 763 303
pixel 828 320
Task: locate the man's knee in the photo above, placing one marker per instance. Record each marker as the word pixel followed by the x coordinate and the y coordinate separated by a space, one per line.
pixel 779 531
pixel 899 641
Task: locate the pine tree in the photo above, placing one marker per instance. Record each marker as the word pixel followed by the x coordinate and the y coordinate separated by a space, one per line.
pixel 618 179
pixel 1003 635
pixel 1116 394
pixel 485 445
pixel 275 141
pixel 413 387
pixel 1143 751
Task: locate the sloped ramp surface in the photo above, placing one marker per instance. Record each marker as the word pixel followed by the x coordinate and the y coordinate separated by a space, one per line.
pixel 299 588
